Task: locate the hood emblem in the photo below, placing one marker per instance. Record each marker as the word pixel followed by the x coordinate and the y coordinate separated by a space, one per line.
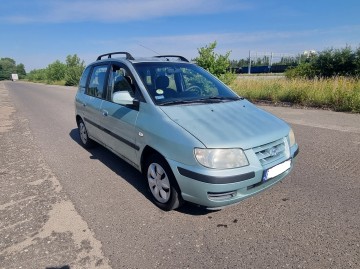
pixel 273 151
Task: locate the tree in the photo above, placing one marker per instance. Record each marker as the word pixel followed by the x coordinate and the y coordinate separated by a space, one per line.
pixel 216 64
pixel 336 62
pixel 8 67
pixel 288 60
pixel 329 63
pixel 20 70
pixel 69 72
pixel 74 69
pixel 55 71
pixel 357 62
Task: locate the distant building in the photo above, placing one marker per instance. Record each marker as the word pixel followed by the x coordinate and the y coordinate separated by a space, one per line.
pixel 309 53
pixel 14 77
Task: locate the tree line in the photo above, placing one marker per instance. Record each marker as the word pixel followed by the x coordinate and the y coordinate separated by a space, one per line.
pixel 8 66
pixel 325 64
pixel 67 73
pixel 265 61
pixel 329 63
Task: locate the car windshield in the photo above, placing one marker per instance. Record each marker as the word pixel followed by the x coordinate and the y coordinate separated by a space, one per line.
pixel 172 83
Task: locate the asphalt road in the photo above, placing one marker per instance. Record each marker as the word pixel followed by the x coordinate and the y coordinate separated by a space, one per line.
pixel 96 213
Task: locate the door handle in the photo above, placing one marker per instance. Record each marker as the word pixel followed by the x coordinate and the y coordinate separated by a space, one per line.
pixel 83 104
pixel 105 113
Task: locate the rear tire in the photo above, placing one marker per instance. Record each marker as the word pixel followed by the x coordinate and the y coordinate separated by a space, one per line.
pixel 162 184
pixel 86 142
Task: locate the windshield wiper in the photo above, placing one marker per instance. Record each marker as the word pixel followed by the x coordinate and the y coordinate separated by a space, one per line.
pixel 215 99
pixel 177 102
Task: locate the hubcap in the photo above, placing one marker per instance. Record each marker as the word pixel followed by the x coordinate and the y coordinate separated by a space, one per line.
pixel 159 183
pixel 83 133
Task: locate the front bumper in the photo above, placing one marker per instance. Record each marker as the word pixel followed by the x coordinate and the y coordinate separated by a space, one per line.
pixel 219 188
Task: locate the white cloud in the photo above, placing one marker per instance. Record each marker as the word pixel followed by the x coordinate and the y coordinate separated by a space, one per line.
pixel 117 11
pixel 239 43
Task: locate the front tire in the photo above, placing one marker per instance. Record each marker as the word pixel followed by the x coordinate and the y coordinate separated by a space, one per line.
pixel 86 141
pixel 162 184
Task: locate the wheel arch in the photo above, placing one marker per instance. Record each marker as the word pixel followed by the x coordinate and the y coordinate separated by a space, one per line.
pixel 147 152
pixel 78 118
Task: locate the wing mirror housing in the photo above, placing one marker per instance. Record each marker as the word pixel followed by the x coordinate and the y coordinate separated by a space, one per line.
pixel 124 98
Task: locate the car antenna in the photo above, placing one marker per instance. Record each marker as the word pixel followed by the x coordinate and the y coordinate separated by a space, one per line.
pixel 149 49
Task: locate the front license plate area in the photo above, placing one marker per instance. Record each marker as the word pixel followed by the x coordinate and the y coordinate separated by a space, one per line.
pixel 276 170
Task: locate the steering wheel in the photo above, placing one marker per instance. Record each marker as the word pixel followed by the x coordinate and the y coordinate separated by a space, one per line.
pixel 195 89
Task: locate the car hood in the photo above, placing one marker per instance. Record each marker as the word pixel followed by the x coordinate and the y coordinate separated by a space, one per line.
pixel 236 124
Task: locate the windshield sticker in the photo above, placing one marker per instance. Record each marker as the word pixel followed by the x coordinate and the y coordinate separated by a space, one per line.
pixel 159 91
pixel 159 97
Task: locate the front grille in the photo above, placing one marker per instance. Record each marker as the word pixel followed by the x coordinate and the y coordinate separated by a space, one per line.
pixel 272 152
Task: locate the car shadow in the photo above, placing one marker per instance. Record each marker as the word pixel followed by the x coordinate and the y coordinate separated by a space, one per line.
pixel 130 174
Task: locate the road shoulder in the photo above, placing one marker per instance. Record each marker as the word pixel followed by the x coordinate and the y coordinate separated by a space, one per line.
pixel 39 225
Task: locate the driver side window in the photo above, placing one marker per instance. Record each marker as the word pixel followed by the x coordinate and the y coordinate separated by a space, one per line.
pixel 120 80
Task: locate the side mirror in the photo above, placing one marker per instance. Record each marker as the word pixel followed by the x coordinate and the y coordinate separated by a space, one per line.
pixel 124 98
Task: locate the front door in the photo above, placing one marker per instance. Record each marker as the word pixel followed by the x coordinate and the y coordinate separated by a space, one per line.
pixel 118 120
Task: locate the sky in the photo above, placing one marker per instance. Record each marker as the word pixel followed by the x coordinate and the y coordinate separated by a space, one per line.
pixel 38 32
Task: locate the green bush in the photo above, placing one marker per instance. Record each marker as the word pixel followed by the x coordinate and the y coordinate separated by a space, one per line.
pixel 303 70
pixel 55 71
pixel 227 77
pixel 59 73
pixel 218 65
pixel 37 75
pixel 74 69
pixel 328 63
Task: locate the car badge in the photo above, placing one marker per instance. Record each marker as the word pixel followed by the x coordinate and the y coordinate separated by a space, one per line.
pixel 273 151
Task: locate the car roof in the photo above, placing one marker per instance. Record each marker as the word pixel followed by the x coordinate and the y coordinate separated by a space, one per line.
pixel 128 57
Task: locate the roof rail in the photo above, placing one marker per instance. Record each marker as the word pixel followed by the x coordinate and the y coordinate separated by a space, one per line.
pixel 182 58
pixel 128 55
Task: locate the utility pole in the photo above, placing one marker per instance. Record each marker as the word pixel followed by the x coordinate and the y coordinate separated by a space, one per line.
pixel 249 68
pixel 270 61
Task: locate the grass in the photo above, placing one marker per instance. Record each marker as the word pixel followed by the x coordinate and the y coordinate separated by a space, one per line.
pixel 58 82
pixel 338 94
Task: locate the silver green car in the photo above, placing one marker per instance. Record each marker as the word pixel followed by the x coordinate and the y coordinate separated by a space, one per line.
pixel 190 135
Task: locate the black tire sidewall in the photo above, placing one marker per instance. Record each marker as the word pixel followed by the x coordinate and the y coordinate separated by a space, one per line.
pixel 89 143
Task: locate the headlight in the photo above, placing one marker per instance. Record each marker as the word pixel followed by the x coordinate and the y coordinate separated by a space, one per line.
pixel 221 158
pixel 292 138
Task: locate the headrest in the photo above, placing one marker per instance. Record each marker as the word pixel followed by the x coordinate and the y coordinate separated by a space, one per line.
pixel 162 82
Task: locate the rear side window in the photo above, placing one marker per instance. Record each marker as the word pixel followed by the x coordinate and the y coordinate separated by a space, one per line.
pixel 97 81
pixel 84 78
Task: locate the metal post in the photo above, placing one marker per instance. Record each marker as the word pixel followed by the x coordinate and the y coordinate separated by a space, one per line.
pixel 249 68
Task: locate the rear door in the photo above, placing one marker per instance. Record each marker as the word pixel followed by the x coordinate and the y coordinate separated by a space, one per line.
pixel 94 96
